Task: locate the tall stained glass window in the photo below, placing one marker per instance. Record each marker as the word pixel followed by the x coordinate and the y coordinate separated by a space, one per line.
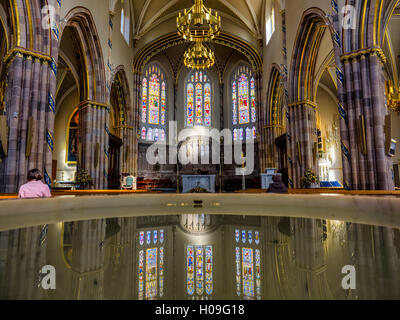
pixel 199 272
pixel 244 106
pixel 151 262
pixel 198 99
pixel 248 264
pixel 154 115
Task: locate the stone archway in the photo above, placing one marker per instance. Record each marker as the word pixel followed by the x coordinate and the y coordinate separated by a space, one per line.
pixel 302 136
pixel 94 111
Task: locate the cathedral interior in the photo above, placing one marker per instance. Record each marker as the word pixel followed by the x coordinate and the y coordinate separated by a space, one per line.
pixel 158 126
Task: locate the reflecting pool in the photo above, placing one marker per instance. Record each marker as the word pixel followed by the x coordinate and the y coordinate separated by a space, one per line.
pixel 200 257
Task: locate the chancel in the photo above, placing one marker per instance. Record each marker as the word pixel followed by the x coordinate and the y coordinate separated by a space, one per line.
pixel 158 126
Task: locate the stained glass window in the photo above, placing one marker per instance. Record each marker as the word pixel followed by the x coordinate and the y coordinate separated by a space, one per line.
pixel 244 105
pixel 154 115
pixel 151 263
pixel 198 100
pixel 199 272
pixel 248 264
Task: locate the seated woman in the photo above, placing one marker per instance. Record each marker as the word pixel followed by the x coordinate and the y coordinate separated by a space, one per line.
pixel 35 188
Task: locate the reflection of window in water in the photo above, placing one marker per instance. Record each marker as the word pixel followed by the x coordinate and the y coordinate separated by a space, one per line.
pixel 199 270
pixel 151 265
pixel 66 238
pixel 248 264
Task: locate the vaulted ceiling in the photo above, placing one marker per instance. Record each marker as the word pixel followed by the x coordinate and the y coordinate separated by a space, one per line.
pixel 148 14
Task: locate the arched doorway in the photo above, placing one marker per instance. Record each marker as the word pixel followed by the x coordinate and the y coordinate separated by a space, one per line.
pixel 121 137
pixel 82 84
pixel 313 40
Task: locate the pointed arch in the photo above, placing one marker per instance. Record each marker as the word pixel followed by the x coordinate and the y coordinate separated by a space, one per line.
pixel 81 21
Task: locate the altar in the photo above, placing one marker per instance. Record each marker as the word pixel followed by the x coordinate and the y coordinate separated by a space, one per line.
pixel 266 178
pixel 190 182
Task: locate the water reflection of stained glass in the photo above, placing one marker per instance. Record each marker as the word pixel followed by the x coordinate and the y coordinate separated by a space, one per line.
pixel 190 270
pixel 257 237
pixel 161 288
pixel 141 275
pixel 238 272
pixel 161 236
pixel 151 274
pixel 248 272
pixel 250 237
pixel 141 238
pixel 199 270
pixel 258 274
pixel 209 270
pixel 155 236
pixel 148 237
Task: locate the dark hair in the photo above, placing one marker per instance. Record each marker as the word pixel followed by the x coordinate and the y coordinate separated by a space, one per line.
pixel 34 174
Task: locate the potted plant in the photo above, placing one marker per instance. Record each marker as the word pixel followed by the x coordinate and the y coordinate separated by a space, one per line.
pixel 82 179
pixel 310 180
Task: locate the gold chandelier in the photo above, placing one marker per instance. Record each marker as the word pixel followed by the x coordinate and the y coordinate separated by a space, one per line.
pixel 199 24
pixel 199 57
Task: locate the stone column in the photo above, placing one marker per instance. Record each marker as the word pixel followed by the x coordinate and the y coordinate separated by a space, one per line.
pixel 88 256
pixel 302 136
pixel 370 165
pixel 94 138
pixel 22 255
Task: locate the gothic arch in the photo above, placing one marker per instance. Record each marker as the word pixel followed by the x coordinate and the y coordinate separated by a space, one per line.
pixel 310 33
pixel 81 21
pixel 124 127
pixel 274 115
pixel 93 108
pixel 371 23
pixel 302 116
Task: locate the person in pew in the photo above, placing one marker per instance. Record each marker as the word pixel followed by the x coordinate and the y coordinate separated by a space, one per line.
pixel 35 188
pixel 277 186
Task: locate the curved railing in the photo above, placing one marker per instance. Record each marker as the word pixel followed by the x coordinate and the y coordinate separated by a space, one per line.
pixel 383 211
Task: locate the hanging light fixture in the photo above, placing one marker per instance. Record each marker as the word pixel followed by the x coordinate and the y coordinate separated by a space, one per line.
pixel 199 57
pixel 198 25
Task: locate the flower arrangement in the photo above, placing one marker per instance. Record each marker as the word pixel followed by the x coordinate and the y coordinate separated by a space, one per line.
pixel 309 179
pixel 83 179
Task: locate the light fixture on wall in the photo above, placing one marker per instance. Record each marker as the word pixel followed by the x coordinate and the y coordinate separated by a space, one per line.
pixel 392 96
pixel 199 25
